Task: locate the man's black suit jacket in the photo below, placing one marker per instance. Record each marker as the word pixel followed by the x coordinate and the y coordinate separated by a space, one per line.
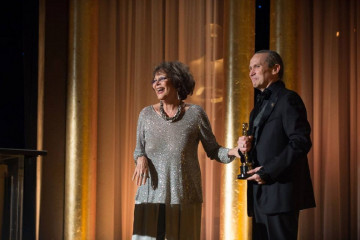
pixel 281 147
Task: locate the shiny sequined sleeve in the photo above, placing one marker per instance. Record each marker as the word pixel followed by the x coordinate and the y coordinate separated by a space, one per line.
pixel 212 148
pixel 140 137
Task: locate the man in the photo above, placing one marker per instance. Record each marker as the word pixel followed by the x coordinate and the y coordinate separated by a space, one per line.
pixel 278 145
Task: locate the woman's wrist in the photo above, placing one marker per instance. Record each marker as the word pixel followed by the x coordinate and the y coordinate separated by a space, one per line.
pixel 233 152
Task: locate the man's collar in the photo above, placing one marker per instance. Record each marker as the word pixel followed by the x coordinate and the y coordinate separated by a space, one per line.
pixel 270 89
pixel 275 85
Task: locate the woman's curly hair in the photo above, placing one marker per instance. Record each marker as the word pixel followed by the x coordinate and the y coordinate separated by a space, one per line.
pixel 179 75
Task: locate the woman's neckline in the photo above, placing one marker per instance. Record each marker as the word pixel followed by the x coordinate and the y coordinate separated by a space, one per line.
pixel 186 108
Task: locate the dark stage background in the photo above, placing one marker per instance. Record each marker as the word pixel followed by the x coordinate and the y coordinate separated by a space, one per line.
pixel 18 73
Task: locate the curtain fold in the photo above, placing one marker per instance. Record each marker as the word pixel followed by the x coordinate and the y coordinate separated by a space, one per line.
pixel 335 105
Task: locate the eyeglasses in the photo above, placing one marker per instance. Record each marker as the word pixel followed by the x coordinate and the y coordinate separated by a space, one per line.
pixel 160 79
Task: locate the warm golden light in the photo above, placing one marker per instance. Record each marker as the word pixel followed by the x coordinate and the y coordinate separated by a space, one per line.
pixel 199 91
pixel 216 100
pixel 240 35
pixel 81 122
pixel 284 37
pixel 40 112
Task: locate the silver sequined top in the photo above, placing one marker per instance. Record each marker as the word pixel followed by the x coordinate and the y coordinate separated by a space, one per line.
pixel 171 149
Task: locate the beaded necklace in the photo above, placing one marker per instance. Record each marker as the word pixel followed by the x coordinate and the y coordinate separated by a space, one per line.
pixel 166 117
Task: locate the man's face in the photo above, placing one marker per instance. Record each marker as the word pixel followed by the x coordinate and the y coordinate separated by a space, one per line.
pixel 260 74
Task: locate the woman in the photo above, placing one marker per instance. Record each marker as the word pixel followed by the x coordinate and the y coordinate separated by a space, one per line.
pixel 167 167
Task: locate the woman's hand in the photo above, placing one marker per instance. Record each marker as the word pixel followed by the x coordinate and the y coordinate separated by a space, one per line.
pixel 141 172
pixel 234 152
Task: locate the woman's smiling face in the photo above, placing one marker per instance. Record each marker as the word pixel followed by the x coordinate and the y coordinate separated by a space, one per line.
pixel 163 87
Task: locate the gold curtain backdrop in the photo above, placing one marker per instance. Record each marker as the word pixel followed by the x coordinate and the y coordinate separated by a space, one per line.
pixel 134 36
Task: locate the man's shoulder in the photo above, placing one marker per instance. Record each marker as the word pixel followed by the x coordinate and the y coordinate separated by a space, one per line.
pixel 291 98
pixel 288 93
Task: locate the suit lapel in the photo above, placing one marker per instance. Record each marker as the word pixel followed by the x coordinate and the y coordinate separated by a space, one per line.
pixel 268 110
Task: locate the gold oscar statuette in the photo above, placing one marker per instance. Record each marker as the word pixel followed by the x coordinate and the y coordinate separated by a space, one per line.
pixel 245 165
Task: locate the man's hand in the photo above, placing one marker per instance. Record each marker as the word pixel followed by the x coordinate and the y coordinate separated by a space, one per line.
pixel 141 172
pixel 255 177
pixel 244 143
